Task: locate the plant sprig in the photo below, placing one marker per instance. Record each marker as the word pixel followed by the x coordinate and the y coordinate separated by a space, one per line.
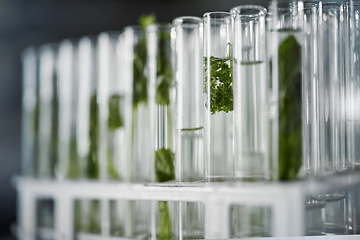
pixel 115 119
pixel 290 120
pixel 164 74
pixel 164 171
pixel 164 165
pixel 139 62
pixel 92 158
pixel 221 83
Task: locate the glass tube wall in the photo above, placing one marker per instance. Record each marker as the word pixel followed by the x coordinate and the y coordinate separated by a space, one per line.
pixel 251 140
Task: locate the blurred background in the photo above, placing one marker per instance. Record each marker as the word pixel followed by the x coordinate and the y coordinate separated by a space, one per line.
pixel 26 23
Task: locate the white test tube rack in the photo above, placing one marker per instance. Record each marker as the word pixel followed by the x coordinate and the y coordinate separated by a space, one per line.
pixel 285 199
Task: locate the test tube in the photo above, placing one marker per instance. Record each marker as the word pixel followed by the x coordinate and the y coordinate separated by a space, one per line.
pixel 354 85
pixel 113 93
pixel 47 148
pixel 286 90
pixel 134 57
pixel 189 104
pixel 87 212
pixel 218 96
pixel 68 164
pixel 311 89
pixel 331 111
pixel 30 111
pixel 115 127
pixel 48 111
pixel 189 155
pixel 162 119
pixel 331 89
pixel 251 140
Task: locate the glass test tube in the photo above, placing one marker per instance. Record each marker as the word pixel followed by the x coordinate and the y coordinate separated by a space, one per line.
pixel 331 118
pixel 353 103
pixel 30 111
pixel 310 93
pixel 251 141
pixel 218 96
pixel 286 103
pixel 112 96
pixel 161 97
pixel 88 109
pixel 48 112
pixel 134 58
pixel 331 89
pixel 189 155
pixel 68 162
pixel 349 95
pixel 314 215
pixel 162 118
pixel 334 154
pixel 249 221
pixel 87 212
pixel 189 103
pixel 48 129
pixel 115 127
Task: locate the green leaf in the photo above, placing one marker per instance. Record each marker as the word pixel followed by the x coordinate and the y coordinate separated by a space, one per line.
pixel 165 232
pixel 221 83
pixel 113 173
pixel 35 170
pixel 55 125
pixel 146 20
pixel 77 216
pixel 73 169
pixel 164 165
pixel 164 73
pixel 140 52
pixel 94 218
pixel 115 119
pixel 92 159
pixel 290 108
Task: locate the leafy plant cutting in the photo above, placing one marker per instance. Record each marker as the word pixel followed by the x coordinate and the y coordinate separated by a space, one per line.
pixel 220 72
pixel 290 121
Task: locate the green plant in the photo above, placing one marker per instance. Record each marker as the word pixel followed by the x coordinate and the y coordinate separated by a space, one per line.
pixel 164 74
pixel 54 126
pixel 164 157
pixel 164 171
pixel 34 171
pixel 221 83
pixel 73 169
pixel 93 218
pixel 164 165
pixel 165 222
pixel 140 81
pixel 115 121
pixel 139 62
pixel 92 158
pixel 290 109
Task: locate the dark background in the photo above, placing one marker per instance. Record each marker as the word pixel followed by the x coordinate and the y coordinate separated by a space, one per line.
pixel 35 22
